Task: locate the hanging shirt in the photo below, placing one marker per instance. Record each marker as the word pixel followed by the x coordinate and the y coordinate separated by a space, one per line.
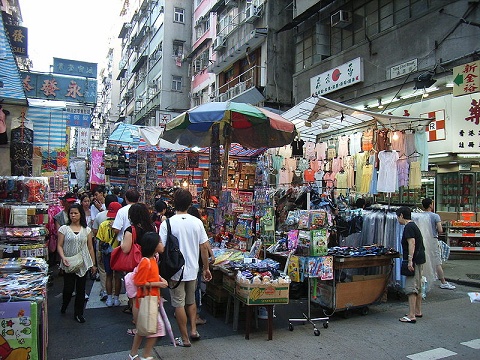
pixel 297 147
pixel 342 146
pixel 367 140
pixel 387 172
pixel 321 150
pixel 310 152
pixel 309 175
pixel 355 144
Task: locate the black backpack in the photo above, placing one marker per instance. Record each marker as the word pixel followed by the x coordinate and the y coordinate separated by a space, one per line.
pixel 171 260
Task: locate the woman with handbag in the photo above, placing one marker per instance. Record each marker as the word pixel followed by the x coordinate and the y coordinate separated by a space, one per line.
pixel 148 282
pixel 140 220
pixel 75 249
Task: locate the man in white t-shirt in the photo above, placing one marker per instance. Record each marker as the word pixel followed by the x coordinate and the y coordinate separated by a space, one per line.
pixel 121 220
pixel 192 240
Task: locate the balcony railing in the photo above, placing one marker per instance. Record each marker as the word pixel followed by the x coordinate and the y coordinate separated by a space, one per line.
pixel 239 84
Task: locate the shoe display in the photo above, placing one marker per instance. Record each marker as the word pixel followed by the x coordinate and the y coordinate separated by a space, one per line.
pixel 109 302
pixel 447 286
pixel 79 318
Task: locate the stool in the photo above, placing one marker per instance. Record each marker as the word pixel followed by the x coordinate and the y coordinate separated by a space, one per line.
pixel 250 309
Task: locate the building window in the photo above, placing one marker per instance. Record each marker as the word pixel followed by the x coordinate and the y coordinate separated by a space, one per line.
pixel 179 15
pixel 178 48
pixel 176 83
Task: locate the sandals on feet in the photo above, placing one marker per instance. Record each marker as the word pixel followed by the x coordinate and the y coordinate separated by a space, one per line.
pixel 179 342
pixel 406 319
pixel 131 332
pixel 132 357
pixel 195 336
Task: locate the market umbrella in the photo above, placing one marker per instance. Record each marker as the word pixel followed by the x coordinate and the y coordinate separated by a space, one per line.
pixel 250 126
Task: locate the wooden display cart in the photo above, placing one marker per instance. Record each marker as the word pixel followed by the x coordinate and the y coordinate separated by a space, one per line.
pixel 361 291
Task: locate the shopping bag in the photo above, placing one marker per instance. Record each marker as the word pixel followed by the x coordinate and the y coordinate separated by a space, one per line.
pixel 147 315
pixel 404 270
pixel 119 261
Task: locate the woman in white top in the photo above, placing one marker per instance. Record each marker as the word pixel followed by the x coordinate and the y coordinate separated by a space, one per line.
pixel 75 239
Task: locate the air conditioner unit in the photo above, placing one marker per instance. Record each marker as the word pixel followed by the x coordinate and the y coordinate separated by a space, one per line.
pixel 341 19
pixel 251 13
pixel 218 43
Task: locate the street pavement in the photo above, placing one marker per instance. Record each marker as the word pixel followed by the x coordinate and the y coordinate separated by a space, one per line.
pixel 379 335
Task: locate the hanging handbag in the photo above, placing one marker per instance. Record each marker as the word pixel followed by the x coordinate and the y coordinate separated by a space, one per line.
pixel 404 270
pixel 75 261
pixel 119 261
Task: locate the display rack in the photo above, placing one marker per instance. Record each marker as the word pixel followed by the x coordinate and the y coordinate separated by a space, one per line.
pixel 308 317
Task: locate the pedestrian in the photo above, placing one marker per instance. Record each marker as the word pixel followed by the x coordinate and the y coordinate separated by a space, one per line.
pixel 147 276
pixel 98 203
pixel 413 251
pixel 61 218
pixel 437 229
pixel 192 240
pixel 140 219
pixel 121 220
pixel 192 210
pixel 75 238
pixel 107 242
pixel 85 201
pixel 159 214
pixel 101 217
pixel 117 192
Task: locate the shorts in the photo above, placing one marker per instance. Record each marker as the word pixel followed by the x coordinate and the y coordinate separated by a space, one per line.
pixel 437 257
pixel 413 284
pixel 106 263
pixel 184 294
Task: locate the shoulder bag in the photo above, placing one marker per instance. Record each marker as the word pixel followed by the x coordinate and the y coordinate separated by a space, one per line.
pixel 147 318
pixel 75 261
pixel 119 261
pixel 404 270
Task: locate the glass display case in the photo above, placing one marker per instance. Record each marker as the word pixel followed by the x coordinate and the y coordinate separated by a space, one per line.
pixel 457 192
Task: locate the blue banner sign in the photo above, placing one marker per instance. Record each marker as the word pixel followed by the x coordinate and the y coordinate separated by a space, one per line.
pixel 59 87
pixel 18 36
pixel 79 116
pixel 74 68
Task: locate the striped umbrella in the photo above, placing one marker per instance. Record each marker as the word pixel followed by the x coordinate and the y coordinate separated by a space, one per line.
pixel 250 126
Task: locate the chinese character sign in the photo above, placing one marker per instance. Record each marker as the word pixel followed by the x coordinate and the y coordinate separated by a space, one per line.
pixel 83 142
pixel 334 79
pixel 466 79
pixel 466 133
pixel 56 87
pixel 74 68
pixel 79 116
pixel 18 36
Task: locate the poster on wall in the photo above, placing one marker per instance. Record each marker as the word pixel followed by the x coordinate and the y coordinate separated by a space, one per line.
pixel 19 330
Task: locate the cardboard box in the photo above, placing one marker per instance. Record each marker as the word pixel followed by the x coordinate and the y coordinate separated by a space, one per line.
pixel 229 283
pixel 253 294
pixel 448 216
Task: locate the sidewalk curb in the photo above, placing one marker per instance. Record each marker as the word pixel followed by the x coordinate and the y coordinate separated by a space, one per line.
pixel 470 283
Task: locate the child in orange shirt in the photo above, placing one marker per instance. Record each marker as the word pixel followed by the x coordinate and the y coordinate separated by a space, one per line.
pixel 148 276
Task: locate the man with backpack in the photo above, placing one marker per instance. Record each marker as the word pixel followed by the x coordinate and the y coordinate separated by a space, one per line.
pixel 193 241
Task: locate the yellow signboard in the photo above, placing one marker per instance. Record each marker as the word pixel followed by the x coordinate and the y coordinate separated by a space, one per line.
pixel 466 79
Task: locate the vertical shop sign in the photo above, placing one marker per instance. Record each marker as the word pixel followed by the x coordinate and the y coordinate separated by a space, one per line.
pixel 466 137
pixel 83 142
pixel 337 78
pixel 18 36
pixel 466 79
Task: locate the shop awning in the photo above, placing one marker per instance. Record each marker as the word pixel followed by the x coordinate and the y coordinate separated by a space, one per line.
pixel 318 115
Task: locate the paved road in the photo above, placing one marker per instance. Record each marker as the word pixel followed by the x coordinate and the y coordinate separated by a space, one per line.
pixel 448 328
